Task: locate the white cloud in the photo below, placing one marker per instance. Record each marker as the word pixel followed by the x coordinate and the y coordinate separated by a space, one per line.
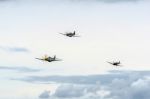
pixel 135 85
pixel 138 89
pixel 73 91
pixel 45 94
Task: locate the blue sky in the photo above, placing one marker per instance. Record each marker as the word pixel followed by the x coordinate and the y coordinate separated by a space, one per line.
pixel 110 30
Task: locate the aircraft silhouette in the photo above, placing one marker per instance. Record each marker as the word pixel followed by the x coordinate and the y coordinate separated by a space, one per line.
pixel 70 34
pixel 115 63
pixel 48 58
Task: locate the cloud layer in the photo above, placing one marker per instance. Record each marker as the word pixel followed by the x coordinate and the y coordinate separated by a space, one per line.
pixel 45 94
pixel 116 89
pixel 104 1
pixel 13 49
pixel 19 69
pixel 114 85
pixel 89 79
pixel 107 1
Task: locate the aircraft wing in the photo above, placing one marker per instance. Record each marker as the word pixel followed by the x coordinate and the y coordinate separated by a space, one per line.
pixel 58 60
pixel 76 36
pixel 39 59
pixel 120 65
pixel 109 62
pixel 62 33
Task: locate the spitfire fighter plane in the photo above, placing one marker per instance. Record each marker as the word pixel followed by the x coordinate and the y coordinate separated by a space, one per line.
pixel 48 58
pixel 115 63
pixel 70 34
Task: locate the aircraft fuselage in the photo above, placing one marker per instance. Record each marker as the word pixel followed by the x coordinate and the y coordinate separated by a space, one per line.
pixel 70 34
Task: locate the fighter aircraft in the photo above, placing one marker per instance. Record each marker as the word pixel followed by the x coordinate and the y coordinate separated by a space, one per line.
pixel 48 58
pixel 115 63
pixel 70 34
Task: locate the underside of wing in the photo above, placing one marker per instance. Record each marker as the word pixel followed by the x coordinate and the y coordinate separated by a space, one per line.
pixel 119 65
pixel 58 60
pixel 76 36
pixel 62 33
pixel 109 62
pixel 39 59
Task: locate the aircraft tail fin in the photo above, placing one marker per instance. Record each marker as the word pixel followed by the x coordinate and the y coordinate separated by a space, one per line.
pixel 74 32
pixel 45 56
pixel 54 56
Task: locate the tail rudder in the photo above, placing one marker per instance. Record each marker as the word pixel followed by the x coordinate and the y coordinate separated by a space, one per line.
pixel 54 56
pixel 74 32
pixel 45 56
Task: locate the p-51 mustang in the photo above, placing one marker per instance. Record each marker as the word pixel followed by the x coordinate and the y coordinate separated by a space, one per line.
pixel 115 63
pixel 70 34
pixel 48 58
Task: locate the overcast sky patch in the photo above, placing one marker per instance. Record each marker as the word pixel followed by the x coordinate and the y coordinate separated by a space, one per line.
pixel 89 79
pixel 19 69
pixel 13 49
